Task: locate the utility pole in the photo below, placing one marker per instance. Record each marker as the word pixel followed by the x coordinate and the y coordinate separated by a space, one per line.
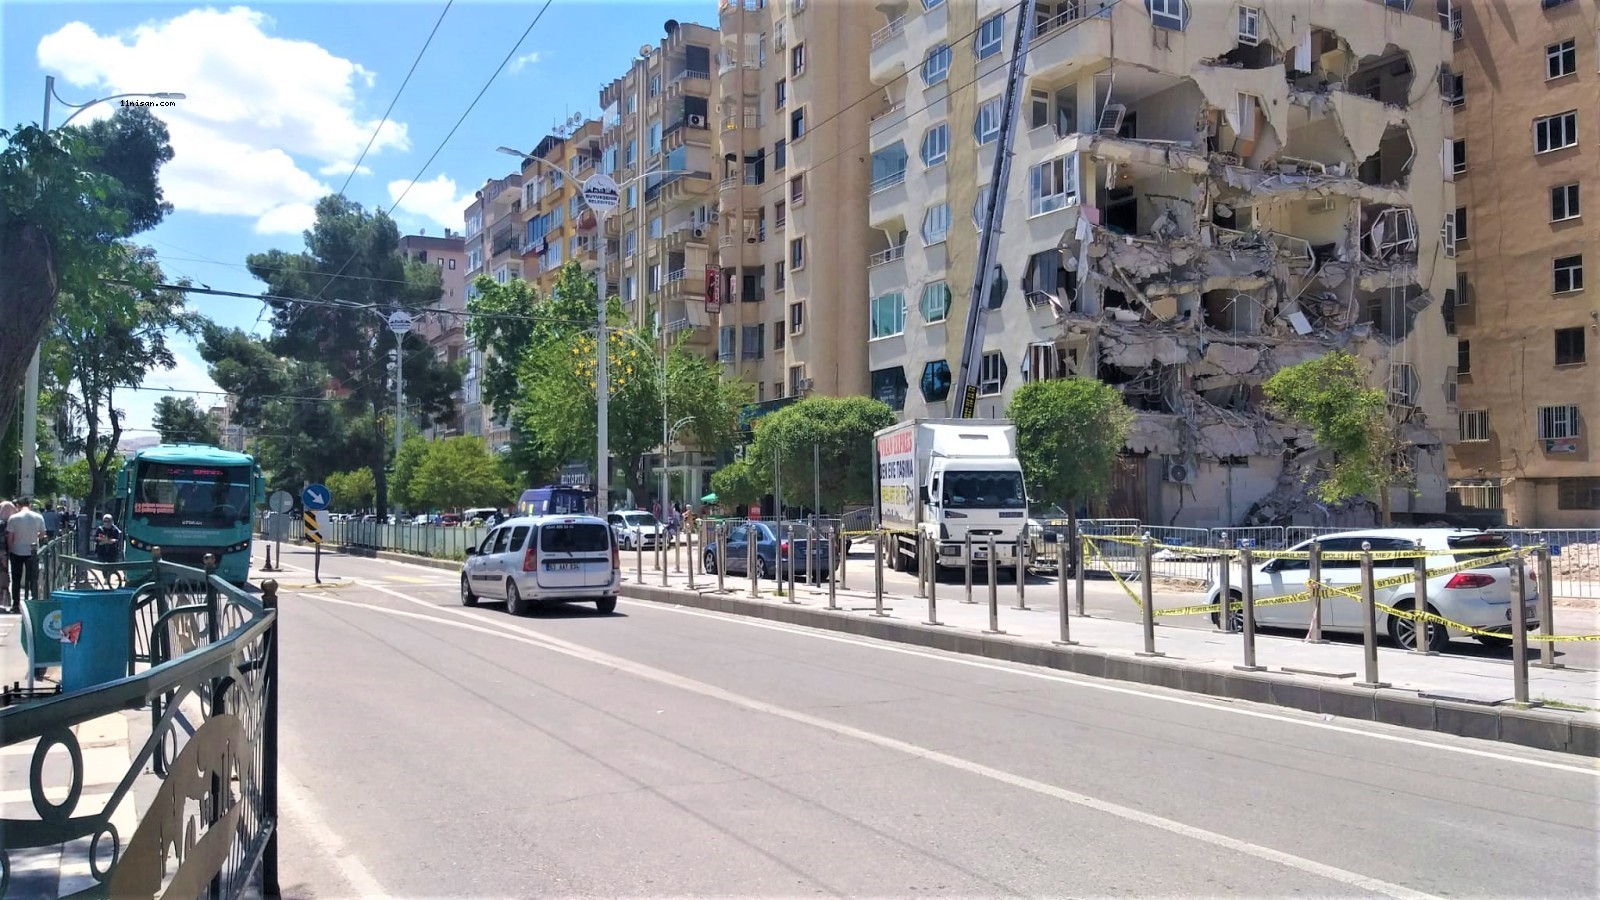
pixel 400 324
pixel 602 196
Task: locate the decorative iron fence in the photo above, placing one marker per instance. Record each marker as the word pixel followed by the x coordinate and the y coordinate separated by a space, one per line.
pixel 204 662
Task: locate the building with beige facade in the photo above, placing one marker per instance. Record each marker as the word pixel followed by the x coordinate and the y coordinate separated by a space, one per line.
pixel 493 245
pixel 445 328
pixel 1201 194
pixel 555 226
pixel 1525 157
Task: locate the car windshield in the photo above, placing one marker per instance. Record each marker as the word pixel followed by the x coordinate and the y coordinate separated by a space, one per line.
pixel 574 537
pixel 643 520
pixel 1478 542
pixel 984 490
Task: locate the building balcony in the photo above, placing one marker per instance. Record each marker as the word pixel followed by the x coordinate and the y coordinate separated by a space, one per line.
pixel 887 119
pixel 891 49
pixel 886 271
pixel 692 82
pixel 687 234
pixel 675 189
pixel 1075 40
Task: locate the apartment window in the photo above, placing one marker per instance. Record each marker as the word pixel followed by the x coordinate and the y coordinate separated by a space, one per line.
pixel 655 229
pixel 798 382
pixel 1567 274
pixel 630 289
pixel 1564 202
pixel 761 52
pixel 1053 184
pixel 1578 493
pixel 780 155
pixel 936 145
pixel 797 124
pixel 797 190
pixel 654 278
pixel 1249 26
pixel 779 335
pixel 797 318
pixel 1474 425
pixel 797 59
pixel 987 126
pixel 935 302
pixel 797 253
pixel 753 341
pixel 779 278
pixel 1558 422
pixel 1453 85
pixel 990 33
pixel 630 155
pixel 780 94
pixel 980 206
pixel 930 4
pixel 1463 357
pixel 780 213
pixel 991 373
pixel 1569 346
pixel 1458 156
pixel 630 243
pixel 1555 132
pixel 655 84
pixel 631 197
pixel 936 65
pixel 1447 236
pixel 655 137
pixel 474 259
pixel 935 224
pixel 1173 14
pixel 453 262
pixel 1561 59
pixel 725 339
pixel 888 315
pixel 1461 224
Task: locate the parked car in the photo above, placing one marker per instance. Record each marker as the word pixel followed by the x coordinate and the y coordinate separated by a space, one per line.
pixel 532 561
pixel 1480 597
pixel 450 519
pixel 770 549
pixel 637 529
pixel 421 519
pixel 483 515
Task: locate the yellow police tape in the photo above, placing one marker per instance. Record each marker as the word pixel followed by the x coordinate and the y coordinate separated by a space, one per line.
pixel 1293 554
pixel 1436 619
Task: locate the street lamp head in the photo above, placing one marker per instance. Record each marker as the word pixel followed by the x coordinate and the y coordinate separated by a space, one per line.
pixel 510 152
pixel 170 95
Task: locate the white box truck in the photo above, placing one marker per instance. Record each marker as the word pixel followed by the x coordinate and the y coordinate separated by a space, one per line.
pixel 944 479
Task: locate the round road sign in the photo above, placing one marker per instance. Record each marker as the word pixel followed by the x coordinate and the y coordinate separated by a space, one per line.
pixel 400 322
pixel 600 193
pixel 281 501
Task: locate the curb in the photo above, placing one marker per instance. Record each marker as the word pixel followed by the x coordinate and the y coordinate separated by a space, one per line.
pixel 451 565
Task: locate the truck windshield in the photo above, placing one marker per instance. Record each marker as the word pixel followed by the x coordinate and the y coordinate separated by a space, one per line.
pixel 207 496
pixel 984 490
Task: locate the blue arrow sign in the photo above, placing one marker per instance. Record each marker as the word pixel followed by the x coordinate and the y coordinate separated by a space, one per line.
pixel 315 497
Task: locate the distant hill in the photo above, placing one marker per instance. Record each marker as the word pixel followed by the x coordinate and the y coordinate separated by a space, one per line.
pixel 131 445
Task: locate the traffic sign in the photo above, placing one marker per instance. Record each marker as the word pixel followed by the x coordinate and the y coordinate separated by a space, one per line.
pixel 600 193
pixel 315 496
pixel 313 528
pixel 400 322
pixel 280 501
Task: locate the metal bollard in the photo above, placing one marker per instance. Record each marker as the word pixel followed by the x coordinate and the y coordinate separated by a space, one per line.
pixel 792 566
pixel 877 574
pixel 1318 595
pixel 661 553
pixel 1519 628
pixel 933 583
pixel 994 591
pixel 750 559
pixel 833 601
pixel 688 537
pixel 1547 613
pixel 922 565
pixel 811 556
pixel 1061 593
pixel 677 554
pixel 844 556
pixel 1247 590
pixel 638 556
pixel 784 534
pixel 967 566
pixel 1077 576
pixel 720 535
pixel 1369 621
pixel 1022 574
pixel 1147 598
pixel 1225 596
pixel 1419 628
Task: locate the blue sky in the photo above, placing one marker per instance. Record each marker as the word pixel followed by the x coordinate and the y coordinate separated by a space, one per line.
pixel 283 96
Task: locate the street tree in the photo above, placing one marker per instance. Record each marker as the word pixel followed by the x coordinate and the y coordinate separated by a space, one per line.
pixel 1070 432
pixel 354 489
pixel 107 337
pixel 835 431
pixel 74 479
pixel 181 420
pixel 328 303
pixel 66 198
pixel 1365 455
pixel 459 472
pixel 412 452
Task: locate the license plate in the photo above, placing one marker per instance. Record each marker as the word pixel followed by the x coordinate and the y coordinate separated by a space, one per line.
pixel 561 567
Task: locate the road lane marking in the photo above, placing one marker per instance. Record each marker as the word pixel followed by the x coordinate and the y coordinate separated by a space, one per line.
pixel 1047 675
pixel 519 634
pixel 306 816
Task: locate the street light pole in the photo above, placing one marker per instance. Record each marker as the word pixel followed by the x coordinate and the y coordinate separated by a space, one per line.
pixel 602 371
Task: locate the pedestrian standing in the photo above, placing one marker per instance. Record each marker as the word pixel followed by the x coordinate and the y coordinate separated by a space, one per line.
pixel 107 543
pixel 52 522
pixel 674 523
pixel 7 509
pixel 23 531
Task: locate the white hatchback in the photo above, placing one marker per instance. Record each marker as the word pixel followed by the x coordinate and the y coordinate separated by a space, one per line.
pixel 531 561
pixel 1479 597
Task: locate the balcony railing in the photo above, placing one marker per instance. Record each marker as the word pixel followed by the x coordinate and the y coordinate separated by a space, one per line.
pixel 888 181
pixel 676 275
pixel 687 74
pixel 888 32
pixel 886 256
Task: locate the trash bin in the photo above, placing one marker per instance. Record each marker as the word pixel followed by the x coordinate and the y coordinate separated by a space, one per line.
pixel 42 637
pixel 96 636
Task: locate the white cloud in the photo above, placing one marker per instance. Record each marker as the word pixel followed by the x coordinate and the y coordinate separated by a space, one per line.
pixel 289 218
pixel 139 406
pixel 256 105
pixel 523 61
pixel 342 168
pixel 437 200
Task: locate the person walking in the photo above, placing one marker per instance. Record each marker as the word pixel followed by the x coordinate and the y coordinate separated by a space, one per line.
pixel 52 523
pixel 23 531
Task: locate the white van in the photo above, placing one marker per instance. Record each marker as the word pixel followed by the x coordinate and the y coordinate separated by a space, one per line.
pixel 529 561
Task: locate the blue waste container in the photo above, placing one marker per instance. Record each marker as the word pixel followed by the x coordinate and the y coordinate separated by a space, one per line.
pixel 96 636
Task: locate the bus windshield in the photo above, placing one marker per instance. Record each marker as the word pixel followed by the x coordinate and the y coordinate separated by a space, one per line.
pixel 206 496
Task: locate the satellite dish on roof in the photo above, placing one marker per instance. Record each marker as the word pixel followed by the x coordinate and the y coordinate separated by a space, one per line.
pixel 644 49
pixel 671 26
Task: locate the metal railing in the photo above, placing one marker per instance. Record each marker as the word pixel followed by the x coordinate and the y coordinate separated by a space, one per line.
pixel 888 32
pixel 888 181
pixel 204 661
pixel 1574 558
pixel 440 541
pixel 889 255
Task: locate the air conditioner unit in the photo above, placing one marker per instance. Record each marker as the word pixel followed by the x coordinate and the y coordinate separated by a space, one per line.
pixel 1179 470
pixel 713 217
pixel 1111 119
pixel 699 232
pixel 804 384
pixel 697 121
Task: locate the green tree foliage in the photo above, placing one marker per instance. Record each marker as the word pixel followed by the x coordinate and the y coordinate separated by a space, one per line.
pixel 459 472
pixel 354 489
pixel 412 452
pixel 1069 434
pixel 66 199
pixel 74 479
pixel 334 341
pixel 182 420
pixel 1349 420
pixel 103 338
pixel 840 428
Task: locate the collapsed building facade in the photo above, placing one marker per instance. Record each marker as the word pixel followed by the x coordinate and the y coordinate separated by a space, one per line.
pixel 1201 195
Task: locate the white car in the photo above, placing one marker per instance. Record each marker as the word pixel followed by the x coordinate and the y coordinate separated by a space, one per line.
pixel 532 561
pixel 637 529
pixel 1479 597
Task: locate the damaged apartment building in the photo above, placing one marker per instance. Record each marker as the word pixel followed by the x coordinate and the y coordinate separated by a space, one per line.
pixel 1201 194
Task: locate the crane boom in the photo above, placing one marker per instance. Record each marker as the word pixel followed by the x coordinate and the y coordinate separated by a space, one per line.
pixel 983 282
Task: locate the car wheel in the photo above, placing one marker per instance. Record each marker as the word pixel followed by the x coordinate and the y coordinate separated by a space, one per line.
pixel 606 605
pixel 1404 632
pixel 761 568
pixel 468 598
pixel 709 562
pixel 1235 616
pixel 514 602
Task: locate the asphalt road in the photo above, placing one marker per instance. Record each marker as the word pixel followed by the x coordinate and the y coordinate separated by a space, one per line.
pixel 430 750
